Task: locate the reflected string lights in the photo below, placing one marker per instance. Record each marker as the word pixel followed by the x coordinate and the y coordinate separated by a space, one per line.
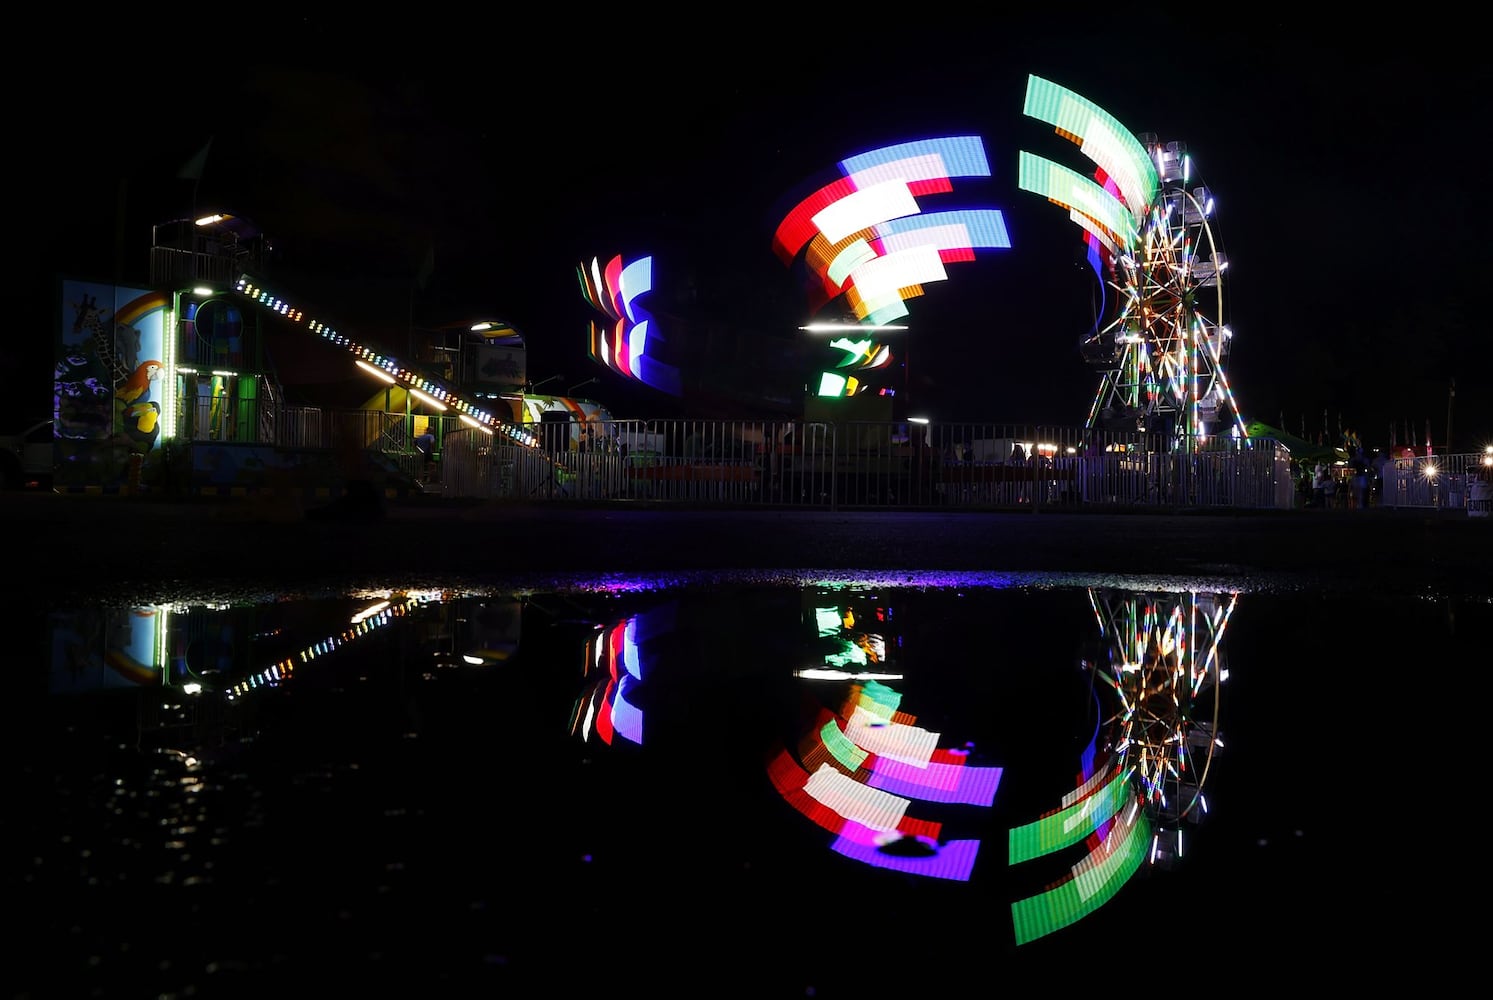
pixel 206 650
pixel 363 623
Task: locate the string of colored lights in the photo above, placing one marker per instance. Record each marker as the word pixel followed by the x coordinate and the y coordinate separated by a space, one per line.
pixel 431 391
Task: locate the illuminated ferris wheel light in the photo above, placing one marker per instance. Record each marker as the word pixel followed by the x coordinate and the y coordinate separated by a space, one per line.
pixel 1159 344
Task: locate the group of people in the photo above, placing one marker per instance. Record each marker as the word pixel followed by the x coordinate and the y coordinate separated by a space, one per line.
pixel 1364 482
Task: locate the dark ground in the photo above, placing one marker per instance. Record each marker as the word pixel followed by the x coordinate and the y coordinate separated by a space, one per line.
pixel 73 545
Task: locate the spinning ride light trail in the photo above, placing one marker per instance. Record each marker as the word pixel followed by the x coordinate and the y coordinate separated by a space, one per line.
pixel 865 240
pixel 623 343
pixel 1161 345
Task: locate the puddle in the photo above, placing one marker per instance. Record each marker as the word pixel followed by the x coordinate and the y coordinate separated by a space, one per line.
pixel 812 785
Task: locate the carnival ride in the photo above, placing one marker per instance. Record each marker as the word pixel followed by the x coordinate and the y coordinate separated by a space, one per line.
pixel 863 770
pixel 621 345
pixel 1160 343
pixel 864 239
pixel 1142 777
pixel 1166 668
pixel 1302 451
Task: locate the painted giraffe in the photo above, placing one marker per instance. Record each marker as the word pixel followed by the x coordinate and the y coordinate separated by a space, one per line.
pixel 90 321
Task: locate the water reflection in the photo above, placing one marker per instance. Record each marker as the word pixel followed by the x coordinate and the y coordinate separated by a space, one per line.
pixel 460 787
pixel 1143 773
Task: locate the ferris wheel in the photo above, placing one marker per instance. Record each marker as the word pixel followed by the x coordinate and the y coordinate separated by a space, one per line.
pixel 1160 343
pixel 1163 354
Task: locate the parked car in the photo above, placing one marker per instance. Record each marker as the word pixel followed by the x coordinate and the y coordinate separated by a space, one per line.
pixel 26 458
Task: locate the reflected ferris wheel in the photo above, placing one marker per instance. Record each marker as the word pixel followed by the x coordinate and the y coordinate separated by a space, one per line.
pixel 1165 668
pixel 1141 775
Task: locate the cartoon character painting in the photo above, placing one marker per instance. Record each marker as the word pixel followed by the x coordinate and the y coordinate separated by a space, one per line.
pixel 110 386
pixel 139 413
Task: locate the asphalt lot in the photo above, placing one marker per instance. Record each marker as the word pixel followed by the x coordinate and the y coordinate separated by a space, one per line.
pixel 78 544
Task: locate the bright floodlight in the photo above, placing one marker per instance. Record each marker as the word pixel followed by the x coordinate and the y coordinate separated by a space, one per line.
pixel 843 327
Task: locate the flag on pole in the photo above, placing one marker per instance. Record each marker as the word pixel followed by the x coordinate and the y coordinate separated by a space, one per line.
pixel 193 168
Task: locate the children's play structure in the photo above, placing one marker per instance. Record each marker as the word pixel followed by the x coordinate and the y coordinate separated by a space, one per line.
pixel 172 387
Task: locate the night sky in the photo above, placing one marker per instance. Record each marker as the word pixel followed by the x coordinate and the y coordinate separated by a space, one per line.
pixel 1343 167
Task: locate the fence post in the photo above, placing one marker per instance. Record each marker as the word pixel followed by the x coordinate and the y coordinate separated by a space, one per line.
pixel 834 466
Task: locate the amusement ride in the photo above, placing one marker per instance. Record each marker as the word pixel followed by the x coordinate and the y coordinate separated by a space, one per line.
pixel 1159 340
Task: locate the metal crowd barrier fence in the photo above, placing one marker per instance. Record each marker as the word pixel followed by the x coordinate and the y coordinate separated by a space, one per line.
pixel 1438 482
pixel 840 465
pixel 871 465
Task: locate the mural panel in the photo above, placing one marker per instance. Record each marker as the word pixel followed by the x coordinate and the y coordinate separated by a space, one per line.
pixel 109 383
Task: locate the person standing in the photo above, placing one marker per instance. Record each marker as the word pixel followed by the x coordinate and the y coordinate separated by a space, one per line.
pixel 1360 480
pixel 1381 460
pixel 1321 480
pixel 1301 476
pixel 425 445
